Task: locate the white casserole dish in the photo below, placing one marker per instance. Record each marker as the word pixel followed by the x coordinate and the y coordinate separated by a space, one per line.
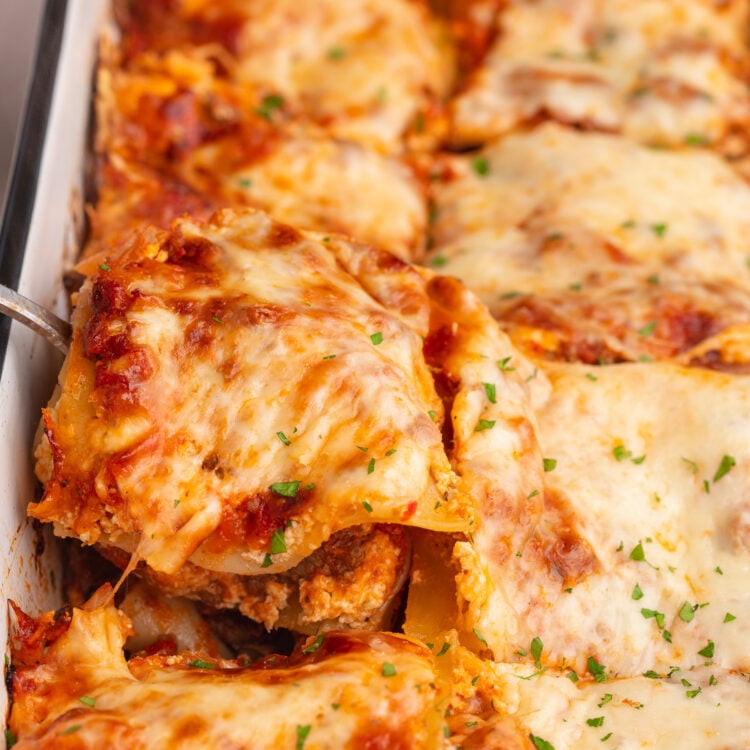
pixel 40 237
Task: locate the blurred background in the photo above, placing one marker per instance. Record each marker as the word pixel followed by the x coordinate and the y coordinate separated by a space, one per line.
pixel 19 22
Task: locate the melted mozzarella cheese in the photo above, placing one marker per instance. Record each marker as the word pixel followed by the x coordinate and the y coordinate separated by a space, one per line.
pixel 588 239
pixel 640 556
pixel 350 690
pixel 662 73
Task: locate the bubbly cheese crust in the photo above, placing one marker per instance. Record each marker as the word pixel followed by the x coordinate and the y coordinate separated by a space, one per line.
pixel 238 391
pixel 350 690
pixel 590 247
pixel 364 69
pixel 176 115
pixel 663 73
pixel 638 555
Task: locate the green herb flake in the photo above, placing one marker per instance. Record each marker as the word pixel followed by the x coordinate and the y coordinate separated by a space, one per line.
pixel 655 614
pixel 388 669
pixel 302 732
pixel 591 377
pixel 201 664
pixel 480 165
pixel 659 229
pixel 595 722
pixel 536 650
pixel 480 637
pixel 284 439
pixel 637 593
pixel 712 680
pixel 444 649
pixel 540 744
pixel 629 224
pixel 278 543
pixel 531 494
pixel 367 506
pixel 648 329
pixel 390 452
pixel 105 267
pixel 431 414
pixel 708 650
pixel 10 738
pixel 72 729
pixel 484 424
pixel 286 489
pixel 621 453
pixel 706 487
pixel 728 617
pixel 267 561
pixel 606 737
pixel 217 319
pixel 653 279
pixel 330 356
pixel 439 261
pixel 335 706
pixel 336 53
pixel 269 105
pixel 87 700
pixel 376 338
pixel 725 466
pixel 572 676
pixel 491 391
pixel 549 464
pixel 176 502
pixel 245 182
pixel 696 139
pixel 596 670
pixel 652 675
pixel 692 693
pixel 637 553
pixel 504 366
pixel 718 570
pixel 371 466
pixel 471 724
pixel 314 646
pixel 687 612
pixel 606 698
pixel 475 681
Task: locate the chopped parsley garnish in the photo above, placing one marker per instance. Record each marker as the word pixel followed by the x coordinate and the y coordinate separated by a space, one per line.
pixel 536 650
pixel 444 649
pixel 475 681
pixel 692 693
pixel 504 365
pixel 302 732
pixel 10 738
pixel 653 279
pixel 596 722
pixel 606 698
pixel 596 670
pixel 267 561
pixel 336 53
pixel 637 593
pixel 439 261
pixel 648 329
pixel 629 224
pixel 696 139
pixel 693 466
pixel 87 700
pixel 541 744
pixel 278 543
pixel 286 489
pixel 572 676
pixel 591 376
pixel 480 165
pixel 637 553
pixel 284 439
pixel 726 465
pixel 367 506
pixel 201 664
pixel 371 466
pixel 718 570
pixel 606 737
pixel 658 616
pixel 376 338
pixel 176 502
pixel 480 637
pixel 431 414
pixel 484 424
pixel 652 675
pixel 620 452
pixel 388 669
pixel 245 182
pixel 390 452
pixel 471 724
pixel 549 464
pixel 105 267
pixel 534 493
pixel 491 391
pixel 216 319
pixel 708 650
pixel 314 646
pixel 687 612
pixel 71 729
pixel 659 229
pixel 269 105
pixel 330 356
pixel 728 617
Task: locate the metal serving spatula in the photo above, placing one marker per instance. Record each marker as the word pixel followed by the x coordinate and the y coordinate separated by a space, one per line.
pixel 40 320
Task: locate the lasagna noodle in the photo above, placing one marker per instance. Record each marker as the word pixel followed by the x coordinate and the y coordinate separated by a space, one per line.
pixel 73 687
pixel 638 559
pixel 666 73
pixel 175 115
pixel 365 70
pixel 589 247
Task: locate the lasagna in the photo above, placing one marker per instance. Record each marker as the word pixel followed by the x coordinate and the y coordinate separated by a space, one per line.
pixel 409 379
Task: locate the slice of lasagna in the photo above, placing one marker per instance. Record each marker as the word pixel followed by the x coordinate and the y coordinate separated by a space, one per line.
pixel 252 414
pixel 176 117
pixel 664 73
pixel 591 248
pixel 366 70
pixel 72 687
